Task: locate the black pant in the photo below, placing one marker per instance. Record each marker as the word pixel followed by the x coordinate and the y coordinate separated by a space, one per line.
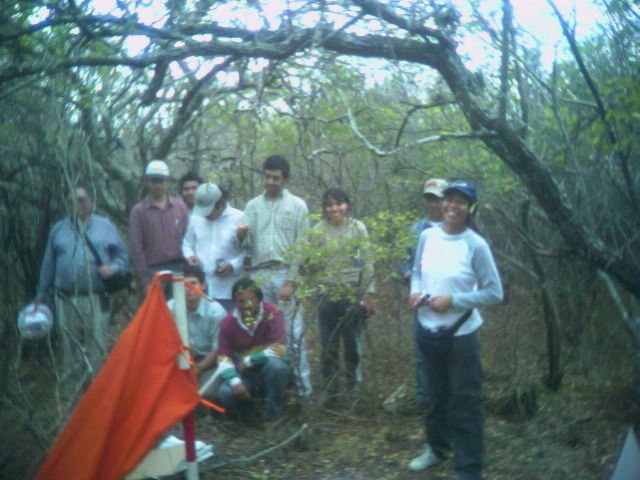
pixel 340 320
pixel 456 413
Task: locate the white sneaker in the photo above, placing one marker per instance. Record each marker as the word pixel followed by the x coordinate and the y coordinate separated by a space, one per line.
pixel 427 459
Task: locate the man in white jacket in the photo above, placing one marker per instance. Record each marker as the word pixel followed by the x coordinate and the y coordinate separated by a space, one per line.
pixel 209 242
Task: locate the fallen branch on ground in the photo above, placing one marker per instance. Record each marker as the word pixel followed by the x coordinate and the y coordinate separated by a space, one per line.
pixel 258 455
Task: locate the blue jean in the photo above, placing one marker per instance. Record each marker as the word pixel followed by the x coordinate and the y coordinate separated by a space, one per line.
pixel 268 381
pixel 340 321
pixel 455 417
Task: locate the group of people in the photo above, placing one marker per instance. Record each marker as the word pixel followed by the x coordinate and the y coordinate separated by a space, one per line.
pixel 249 342
pixel 229 254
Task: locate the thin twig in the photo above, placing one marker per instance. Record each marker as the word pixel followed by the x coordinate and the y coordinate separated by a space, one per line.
pixel 259 454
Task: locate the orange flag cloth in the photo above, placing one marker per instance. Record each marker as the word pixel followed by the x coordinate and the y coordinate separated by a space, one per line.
pixel 139 394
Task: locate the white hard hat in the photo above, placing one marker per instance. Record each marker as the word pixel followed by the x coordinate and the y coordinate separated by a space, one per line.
pixel 35 321
pixel 157 169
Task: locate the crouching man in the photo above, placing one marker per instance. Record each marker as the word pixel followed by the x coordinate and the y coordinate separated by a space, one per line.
pixel 204 318
pixel 252 362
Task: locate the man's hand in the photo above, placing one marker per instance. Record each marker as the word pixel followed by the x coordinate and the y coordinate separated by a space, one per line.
pixel 224 270
pixel 414 301
pixel 193 260
pixel 441 303
pixel 368 306
pixel 242 231
pixel 241 391
pixel 241 366
pixel 105 271
pixel 286 292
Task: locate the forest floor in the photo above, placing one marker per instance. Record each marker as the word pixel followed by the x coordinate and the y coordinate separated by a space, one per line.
pixel 575 433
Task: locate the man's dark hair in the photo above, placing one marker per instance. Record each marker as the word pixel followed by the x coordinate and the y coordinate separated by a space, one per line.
pixel 189 177
pixel 277 162
pixel 193 271
pixel 244 284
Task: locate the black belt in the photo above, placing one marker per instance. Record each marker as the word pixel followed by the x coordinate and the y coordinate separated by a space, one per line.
pixel 74 293
pixel 168 264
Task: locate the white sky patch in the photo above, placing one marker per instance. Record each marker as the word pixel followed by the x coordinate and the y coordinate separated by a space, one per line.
pixel 542 31
pixel 535 17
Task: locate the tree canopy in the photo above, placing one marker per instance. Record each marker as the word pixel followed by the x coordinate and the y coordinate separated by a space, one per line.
pixel 199 53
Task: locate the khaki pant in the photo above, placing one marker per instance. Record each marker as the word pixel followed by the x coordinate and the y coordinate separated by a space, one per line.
pixel 82 323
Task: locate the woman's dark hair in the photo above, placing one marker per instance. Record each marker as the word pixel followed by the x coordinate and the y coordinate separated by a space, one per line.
pixel 244 284
pixel 337 195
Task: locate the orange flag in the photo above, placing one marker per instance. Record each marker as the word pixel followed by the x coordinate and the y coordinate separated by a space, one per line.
pixel 139 394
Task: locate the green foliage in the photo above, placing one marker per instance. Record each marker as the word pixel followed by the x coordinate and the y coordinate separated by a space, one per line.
pixel 327 261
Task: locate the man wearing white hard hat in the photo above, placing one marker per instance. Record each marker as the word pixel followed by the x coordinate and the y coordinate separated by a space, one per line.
pixel 209 242
pixel 157 226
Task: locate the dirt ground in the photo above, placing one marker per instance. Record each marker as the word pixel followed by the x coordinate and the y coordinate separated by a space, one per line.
pixel 576 433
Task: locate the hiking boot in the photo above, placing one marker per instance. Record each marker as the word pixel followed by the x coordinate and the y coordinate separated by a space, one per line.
pixel 427 459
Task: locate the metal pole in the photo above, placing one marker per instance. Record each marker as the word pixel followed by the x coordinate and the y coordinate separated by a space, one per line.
pixel 188 423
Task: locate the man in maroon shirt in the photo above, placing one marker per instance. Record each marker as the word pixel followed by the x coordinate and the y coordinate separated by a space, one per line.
pixel 252 359
pixel 156 227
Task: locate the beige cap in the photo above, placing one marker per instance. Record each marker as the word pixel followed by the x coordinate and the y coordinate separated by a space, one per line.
pixel 435 186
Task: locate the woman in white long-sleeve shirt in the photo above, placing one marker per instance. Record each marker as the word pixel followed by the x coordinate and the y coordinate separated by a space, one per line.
pixel 455 268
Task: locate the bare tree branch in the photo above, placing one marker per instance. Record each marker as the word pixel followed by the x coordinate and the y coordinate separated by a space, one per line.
pixel 432 139
pixel 522 235
pixel 411 111
pixel 507 33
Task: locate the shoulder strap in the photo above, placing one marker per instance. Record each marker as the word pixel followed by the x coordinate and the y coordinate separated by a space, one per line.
pixel 93 249
pixel 454 328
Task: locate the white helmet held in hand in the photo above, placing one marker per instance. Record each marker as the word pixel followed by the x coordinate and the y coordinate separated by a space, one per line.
pixel 35 321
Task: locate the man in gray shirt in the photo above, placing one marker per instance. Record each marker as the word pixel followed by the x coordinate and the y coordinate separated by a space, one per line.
pixel 203 321
pixel 70 273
